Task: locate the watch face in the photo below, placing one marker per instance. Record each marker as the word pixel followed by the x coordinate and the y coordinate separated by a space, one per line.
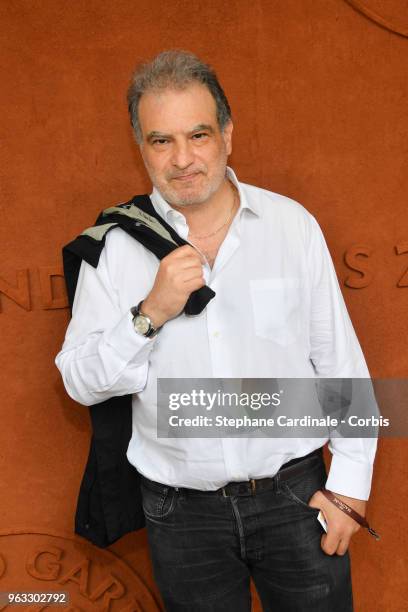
pixel 142 325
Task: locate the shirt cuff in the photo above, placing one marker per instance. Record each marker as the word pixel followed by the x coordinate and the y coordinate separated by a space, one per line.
pixel 128 344
pixel 350 478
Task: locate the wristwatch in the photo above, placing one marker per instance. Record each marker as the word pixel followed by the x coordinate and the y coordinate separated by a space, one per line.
pixel 142 323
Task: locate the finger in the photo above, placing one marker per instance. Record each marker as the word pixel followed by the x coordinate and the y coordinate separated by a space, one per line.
pixel 330 543
pixel 190 251
pixel 186 272
pixel 200 256
pixel 183 251
pixel 197 256
pixel 343 546
pixel 194 277
pixel 186 261
pixel 189 262
pixel 174 270
pixel 194 285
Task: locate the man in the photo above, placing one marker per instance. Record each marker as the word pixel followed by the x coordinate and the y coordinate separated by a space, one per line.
pixel 221 510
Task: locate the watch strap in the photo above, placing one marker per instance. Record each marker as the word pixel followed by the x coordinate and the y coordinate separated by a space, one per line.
pixel 136 310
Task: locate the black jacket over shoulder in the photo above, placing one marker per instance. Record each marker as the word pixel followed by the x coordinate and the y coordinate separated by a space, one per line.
pixel 109 502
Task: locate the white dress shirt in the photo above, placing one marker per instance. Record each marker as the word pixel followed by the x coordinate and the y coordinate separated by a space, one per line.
pixel 278 313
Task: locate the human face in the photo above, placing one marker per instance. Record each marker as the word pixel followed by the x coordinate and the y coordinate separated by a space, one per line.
pixel 183 148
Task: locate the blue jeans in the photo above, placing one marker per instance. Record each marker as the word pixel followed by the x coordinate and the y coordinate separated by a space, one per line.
pixel 205 547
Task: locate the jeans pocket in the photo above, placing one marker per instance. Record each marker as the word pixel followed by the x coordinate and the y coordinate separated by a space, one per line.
pixel 289 493
pixel 301 489
pixel 276 306
pixel 158 503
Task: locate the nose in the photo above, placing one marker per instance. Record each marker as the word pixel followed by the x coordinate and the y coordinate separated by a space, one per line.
pixel 182 155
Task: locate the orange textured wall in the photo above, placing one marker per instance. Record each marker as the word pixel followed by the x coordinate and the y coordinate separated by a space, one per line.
pixel 319 96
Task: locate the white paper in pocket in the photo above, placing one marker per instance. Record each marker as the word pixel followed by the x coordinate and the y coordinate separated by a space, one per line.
pixel 322 521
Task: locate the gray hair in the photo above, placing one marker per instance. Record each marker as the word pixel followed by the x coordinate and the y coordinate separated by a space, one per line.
pixel 174 69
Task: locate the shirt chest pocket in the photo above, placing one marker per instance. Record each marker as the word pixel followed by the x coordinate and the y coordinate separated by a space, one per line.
pixel 276 304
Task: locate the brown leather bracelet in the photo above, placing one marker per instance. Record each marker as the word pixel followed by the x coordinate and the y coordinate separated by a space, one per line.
pixel 341 505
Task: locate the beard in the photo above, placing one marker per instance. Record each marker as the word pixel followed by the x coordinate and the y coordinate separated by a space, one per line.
pixel 188 195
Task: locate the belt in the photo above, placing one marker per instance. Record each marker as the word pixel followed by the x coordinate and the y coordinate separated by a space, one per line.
pixel 289 470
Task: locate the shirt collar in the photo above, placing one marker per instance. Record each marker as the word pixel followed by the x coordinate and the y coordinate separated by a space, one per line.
pixel 169 214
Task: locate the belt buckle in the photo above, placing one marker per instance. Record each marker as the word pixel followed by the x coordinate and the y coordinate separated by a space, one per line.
pixel 252 482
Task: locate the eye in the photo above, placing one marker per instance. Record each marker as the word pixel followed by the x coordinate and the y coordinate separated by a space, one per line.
pixel 200 136
pixel 159 141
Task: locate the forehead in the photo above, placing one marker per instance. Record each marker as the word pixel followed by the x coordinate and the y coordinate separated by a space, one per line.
pixel 177 110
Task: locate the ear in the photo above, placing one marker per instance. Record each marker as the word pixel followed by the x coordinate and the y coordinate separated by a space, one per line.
pixel 227 135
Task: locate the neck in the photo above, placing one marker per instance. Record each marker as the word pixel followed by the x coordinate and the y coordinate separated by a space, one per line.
pixel 202 218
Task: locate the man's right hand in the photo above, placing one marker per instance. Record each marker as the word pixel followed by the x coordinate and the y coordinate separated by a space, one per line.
pixel 179 274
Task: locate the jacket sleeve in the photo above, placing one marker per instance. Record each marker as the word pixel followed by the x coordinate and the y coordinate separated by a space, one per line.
pixel 102 355
pixel 336 353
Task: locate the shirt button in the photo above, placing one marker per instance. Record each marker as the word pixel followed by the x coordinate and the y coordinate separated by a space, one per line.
pixel 216 334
